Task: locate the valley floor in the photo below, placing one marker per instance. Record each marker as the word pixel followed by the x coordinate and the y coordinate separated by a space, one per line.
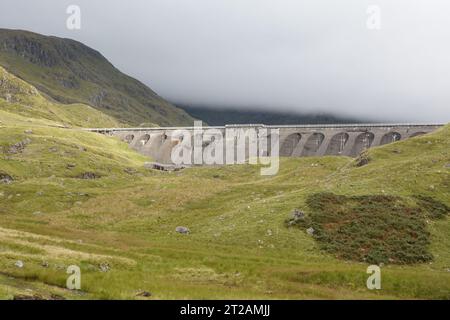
pixel 119 228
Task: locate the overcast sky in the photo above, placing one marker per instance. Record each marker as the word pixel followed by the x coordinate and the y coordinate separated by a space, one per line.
pixel 300 55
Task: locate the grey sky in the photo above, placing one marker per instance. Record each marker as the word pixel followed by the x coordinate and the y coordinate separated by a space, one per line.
pixel 308 56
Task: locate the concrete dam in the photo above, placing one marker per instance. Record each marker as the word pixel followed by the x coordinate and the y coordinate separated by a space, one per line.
pixel 293 140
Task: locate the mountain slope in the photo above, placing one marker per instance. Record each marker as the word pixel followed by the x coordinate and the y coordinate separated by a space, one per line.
pixel 70 72
pixel 220 116
pixel 21 102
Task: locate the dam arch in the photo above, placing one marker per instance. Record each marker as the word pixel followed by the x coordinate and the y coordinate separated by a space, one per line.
pixel 313 144
pixel 390 137
pixel 362 142
pixel 129 138
pixel 289 144
pixel 143 140
pixel 337 144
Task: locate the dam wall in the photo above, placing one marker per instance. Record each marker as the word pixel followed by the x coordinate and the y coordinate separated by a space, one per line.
pixel 294 140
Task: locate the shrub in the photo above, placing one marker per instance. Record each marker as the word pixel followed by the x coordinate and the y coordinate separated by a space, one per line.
pixel 372 228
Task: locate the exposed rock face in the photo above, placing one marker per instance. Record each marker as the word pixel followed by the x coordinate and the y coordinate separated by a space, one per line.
pixel 70 67
pixel 18 147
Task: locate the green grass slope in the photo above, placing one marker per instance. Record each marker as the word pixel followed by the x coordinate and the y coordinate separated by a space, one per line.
pixel 120 227
pixel 73 73
pixel 23 102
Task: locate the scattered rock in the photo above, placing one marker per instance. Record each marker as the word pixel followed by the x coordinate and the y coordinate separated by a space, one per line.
pixel 182 230
pixel 145 294
pixel 298 215
pixel 19 264
pixel 447 165
pixel 71 165
pixel 360 162
pixel 28 131
pixel 53 149
pixel 162 166
pixel 18 147
pixel 83 149
pixel 44 264
pixel 310 231
pixel 88 176
pixel 104 267
pixel 5 178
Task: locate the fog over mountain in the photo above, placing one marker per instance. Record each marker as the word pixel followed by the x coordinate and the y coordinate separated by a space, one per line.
pixel 312 56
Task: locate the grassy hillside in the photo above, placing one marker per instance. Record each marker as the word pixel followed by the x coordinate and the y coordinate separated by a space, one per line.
pixel 80 198
pixel 23 102
pixel 72 73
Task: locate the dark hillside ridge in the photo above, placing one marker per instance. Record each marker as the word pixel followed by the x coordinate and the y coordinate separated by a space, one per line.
pixel 220 117
pixel 71 72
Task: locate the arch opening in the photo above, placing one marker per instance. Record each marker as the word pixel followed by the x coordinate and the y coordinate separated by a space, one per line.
pixel 363 142
pixel 129 138
pixel 313 144
pixel 337 144
pixel 289 145
pixel 390 137
pixel 144 139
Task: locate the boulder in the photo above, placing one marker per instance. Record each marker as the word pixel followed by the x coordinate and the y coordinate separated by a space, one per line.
pixel 310 231
pixel 145 294
pixel 182 230
pixel 19 264
pixel 104 267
